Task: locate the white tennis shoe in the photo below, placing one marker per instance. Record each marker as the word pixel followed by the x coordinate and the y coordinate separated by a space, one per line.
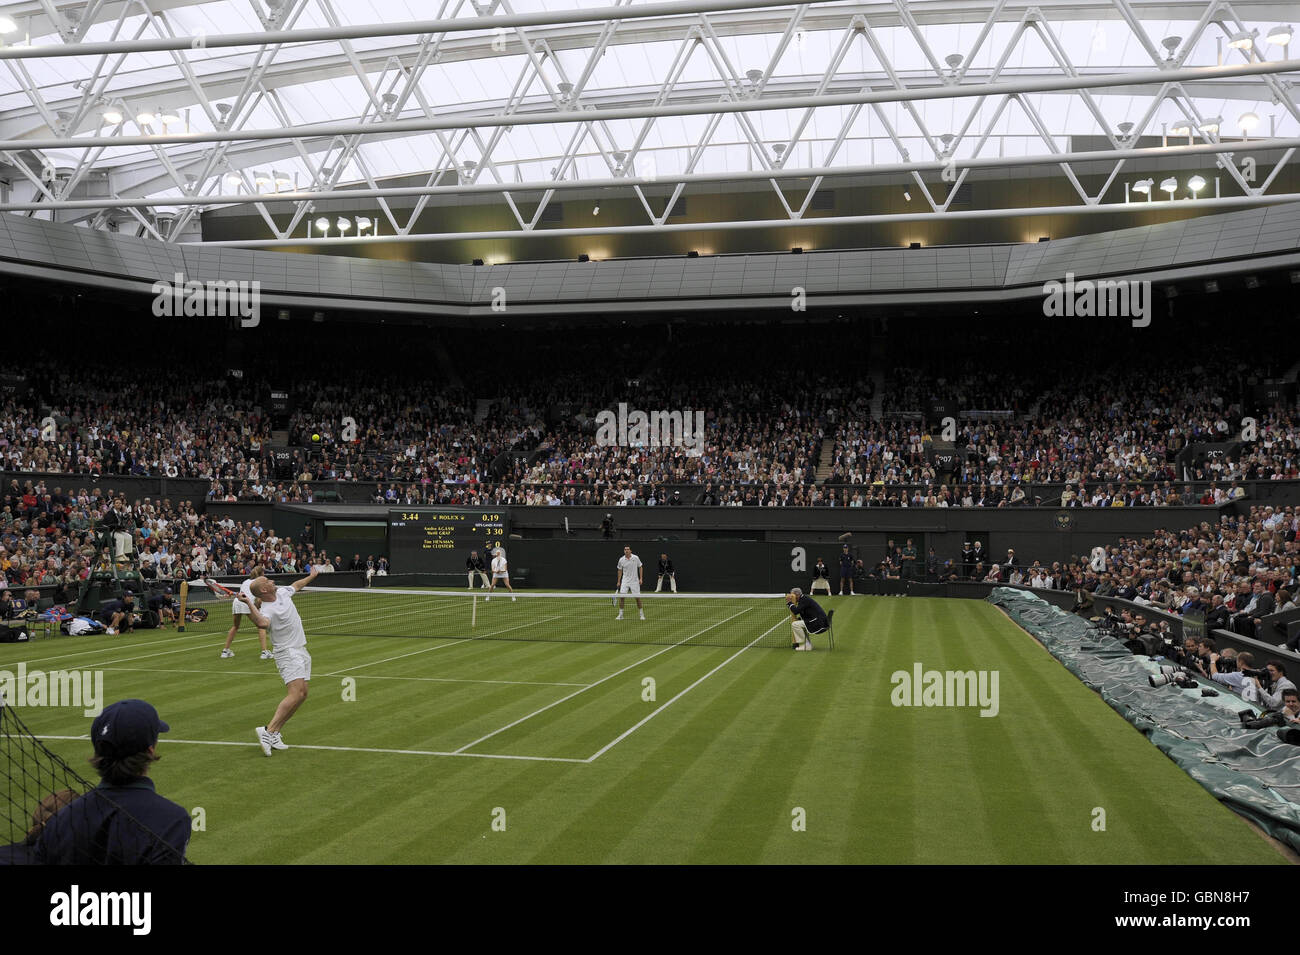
pixel 264 739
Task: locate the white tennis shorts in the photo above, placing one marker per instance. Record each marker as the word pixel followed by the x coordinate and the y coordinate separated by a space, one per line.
pixel 630 587
pixel 294 663
pixel 238 607
pixel 505 576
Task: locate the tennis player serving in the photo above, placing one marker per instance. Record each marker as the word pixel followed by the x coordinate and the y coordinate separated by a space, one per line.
pixel 280 618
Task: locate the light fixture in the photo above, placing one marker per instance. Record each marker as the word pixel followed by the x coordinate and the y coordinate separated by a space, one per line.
pixel 1170 186
pixel 1279 36
pixel 1210 125
pixel 1196 184
pixel 112 115
pixel 953 60
pixel 1144 186
pixel 477 262
pixel 914 245
pixel 343 224
pixel 1170 43
pixel 1212 285
pixel 1180 128
pixel 1242 40
pixel 596 211
pixel 1044 238
pixel 282 179
pixel 693 254
pixel 7 24
pixel 796 250
pixel 1252 281
pixel 907 196
pixel 363 223
pixel 145 118
pixel 584 257
pixel 1125 128
pixel 262 178
pixel 323 225
pixel 1248 121
pixel 234 180
pixel 169 116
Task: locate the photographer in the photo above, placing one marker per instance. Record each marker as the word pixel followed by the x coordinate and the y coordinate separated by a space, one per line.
pixel 1227 667
pixel 1270 695
pixel 1291 705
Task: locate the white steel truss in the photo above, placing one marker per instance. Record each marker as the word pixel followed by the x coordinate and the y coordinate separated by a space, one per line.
pixel 729 97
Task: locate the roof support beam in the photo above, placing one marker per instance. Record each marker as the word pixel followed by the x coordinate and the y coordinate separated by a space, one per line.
pixel 1045 85
pixel 1161 153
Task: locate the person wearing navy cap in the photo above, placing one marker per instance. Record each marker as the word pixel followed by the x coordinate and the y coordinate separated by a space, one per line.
pixel 122 821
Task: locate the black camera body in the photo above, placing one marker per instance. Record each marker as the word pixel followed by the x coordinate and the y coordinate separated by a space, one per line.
pixel 1261 722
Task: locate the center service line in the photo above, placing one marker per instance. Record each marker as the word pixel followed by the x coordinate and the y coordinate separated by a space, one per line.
pixel 624 735
pixel 599 682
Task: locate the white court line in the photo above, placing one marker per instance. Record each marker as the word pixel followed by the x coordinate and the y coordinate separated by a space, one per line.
pixel 355 749
pixel 272 672
pixel 343 618
pixel 443 646
pixel 108 664
pixel 115 647
pixel 602 680
pixel 626 733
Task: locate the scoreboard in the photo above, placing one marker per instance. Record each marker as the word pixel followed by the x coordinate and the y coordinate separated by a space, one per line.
pixel 427 540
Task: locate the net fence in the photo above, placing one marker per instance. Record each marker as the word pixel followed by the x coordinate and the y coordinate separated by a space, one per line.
pixel 715 620
pixel 51 814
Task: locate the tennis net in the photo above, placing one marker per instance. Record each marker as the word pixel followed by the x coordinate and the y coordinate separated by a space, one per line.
pixel 715 620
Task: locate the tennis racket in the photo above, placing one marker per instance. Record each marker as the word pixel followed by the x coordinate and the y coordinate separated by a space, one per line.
pixel 220 590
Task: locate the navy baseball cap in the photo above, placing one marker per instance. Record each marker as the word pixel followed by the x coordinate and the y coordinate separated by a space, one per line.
pixel 125 728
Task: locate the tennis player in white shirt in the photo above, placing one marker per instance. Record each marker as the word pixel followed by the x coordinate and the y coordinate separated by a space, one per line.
pixel 501 572
pixel 630 574
pixel 280 618
pixel 239 610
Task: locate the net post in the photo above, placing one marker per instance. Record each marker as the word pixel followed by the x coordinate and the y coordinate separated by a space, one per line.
pixel 473 611
pixel 185 595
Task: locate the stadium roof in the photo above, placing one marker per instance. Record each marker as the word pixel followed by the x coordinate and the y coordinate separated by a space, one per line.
pixel 117 111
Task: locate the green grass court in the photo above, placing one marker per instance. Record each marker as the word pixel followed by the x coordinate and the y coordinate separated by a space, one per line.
pixel 445 731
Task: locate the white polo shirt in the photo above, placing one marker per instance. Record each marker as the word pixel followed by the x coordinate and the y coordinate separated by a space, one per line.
pixel 629 568
pixel 286 628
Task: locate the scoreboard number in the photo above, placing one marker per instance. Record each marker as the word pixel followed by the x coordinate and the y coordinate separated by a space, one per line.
pixel 437 540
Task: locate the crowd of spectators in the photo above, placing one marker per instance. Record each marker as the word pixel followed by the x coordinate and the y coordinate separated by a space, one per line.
pixel 1232 574
pixel 1030 423
pixel 52 536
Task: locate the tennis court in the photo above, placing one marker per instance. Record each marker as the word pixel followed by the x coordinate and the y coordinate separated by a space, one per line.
pixel 459 749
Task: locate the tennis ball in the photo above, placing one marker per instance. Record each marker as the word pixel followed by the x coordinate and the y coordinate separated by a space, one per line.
pixel 315 437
